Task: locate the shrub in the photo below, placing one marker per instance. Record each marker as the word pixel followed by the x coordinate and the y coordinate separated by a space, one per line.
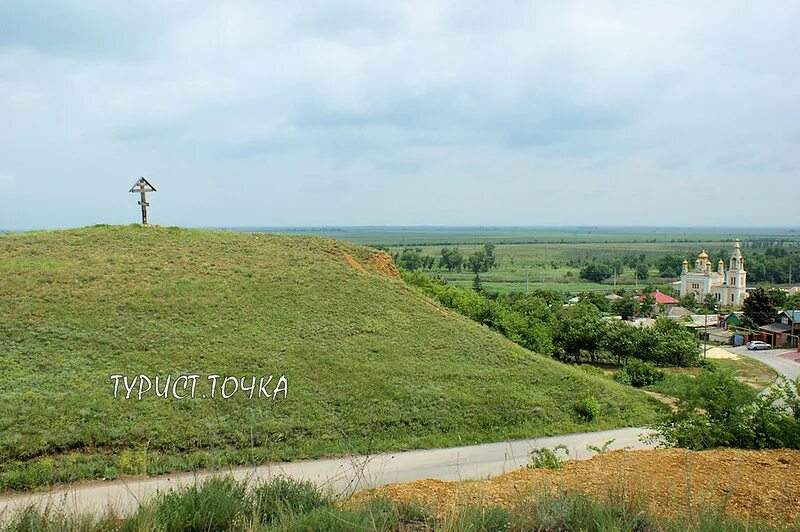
pixel 588 408
pixel 545 458
pixel 638 373
pixel 600 449
pixel 213 506
pixel 722 412
pixel 282 495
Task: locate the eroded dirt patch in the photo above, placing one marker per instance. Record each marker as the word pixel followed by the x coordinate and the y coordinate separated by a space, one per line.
pixel 760 485
pixel 383 263
pixel 353 262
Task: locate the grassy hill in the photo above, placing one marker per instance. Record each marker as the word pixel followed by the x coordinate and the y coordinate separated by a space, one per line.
pixel 371 365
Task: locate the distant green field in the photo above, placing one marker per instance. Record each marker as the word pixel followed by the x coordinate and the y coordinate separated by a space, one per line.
pixel 536 258
pixel 429 236
pixel 521 286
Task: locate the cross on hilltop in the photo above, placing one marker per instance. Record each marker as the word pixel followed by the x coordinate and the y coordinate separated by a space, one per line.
pixel 142 186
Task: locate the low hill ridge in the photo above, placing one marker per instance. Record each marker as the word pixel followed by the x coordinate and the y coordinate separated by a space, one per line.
pixel 369 363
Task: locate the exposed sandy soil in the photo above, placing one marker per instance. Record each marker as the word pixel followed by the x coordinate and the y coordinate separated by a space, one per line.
pixel 720 353
pixel 378 261
pixel 382 262
pixel 760 485
pixel 353 262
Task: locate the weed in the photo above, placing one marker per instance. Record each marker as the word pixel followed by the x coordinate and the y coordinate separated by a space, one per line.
pixel 547 458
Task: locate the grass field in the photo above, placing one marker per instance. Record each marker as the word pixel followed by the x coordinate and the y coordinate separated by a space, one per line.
pixel 370 364
pixel 679 382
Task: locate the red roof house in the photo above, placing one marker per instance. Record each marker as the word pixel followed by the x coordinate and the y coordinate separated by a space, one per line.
pixel 661 298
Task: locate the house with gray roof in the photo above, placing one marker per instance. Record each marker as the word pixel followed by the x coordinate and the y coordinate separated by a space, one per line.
pixel 784 330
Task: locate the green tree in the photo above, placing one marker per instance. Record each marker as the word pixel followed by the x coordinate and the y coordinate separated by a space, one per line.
pixel 625 307
pixel 528 329
pixel 710 304
pixel 532 305
pixel 688 301
pixel 642 271
pixel 597 299
pixel 411 259
pixel 622 341
pixel 759 308
pixel 669 290
pixel 669 265
pixel 648 306
pixel 668 343
pixel 491 260
pixel 578 330
pixel 482 260
pixel 597 272
pixel 778 297
pixel 476 283
pixel 451 259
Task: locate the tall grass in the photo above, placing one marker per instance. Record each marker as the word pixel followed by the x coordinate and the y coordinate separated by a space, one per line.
pixel 286 505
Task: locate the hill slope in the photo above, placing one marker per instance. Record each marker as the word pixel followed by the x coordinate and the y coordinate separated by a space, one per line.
pixel 370 364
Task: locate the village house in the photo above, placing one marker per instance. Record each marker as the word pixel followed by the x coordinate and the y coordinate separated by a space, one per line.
pixel 783 332
pixel 662 302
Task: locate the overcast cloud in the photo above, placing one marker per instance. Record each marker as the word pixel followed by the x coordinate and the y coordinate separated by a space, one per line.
pixel 393 113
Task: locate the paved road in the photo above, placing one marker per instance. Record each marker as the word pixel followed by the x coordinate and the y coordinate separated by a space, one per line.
pixel 344 475
pixel 772 358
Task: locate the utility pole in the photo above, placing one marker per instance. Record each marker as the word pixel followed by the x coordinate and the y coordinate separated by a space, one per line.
pixel 142 186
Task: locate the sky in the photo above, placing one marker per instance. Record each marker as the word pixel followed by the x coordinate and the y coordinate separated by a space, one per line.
pixel 400 113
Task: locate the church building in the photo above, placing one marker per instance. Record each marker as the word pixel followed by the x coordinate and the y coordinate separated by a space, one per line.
pixel 727 287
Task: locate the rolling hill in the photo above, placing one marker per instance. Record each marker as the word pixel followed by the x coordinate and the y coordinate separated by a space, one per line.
pixel 369 364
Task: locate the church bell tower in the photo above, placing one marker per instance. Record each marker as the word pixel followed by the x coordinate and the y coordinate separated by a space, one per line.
pixel 737 277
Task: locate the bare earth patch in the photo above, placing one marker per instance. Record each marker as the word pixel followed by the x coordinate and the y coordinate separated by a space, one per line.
pixel 759 485
pixel 721 354
pixel 666 399
pixel 353 262
pixel 382 262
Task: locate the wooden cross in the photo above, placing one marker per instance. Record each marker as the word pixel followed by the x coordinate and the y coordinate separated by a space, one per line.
pixel 143 187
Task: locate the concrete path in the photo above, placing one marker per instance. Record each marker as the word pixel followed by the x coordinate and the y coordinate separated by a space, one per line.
pixel 342 475
pixel 772 358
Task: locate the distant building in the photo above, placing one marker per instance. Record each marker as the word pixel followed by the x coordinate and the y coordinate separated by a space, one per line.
pixel 734 319
pixel 782 333
pixel 662 303
pixel 678 312
pixel 660 298
pixel 729 288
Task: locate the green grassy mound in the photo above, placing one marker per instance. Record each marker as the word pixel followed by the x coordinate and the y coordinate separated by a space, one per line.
pixel 370 364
